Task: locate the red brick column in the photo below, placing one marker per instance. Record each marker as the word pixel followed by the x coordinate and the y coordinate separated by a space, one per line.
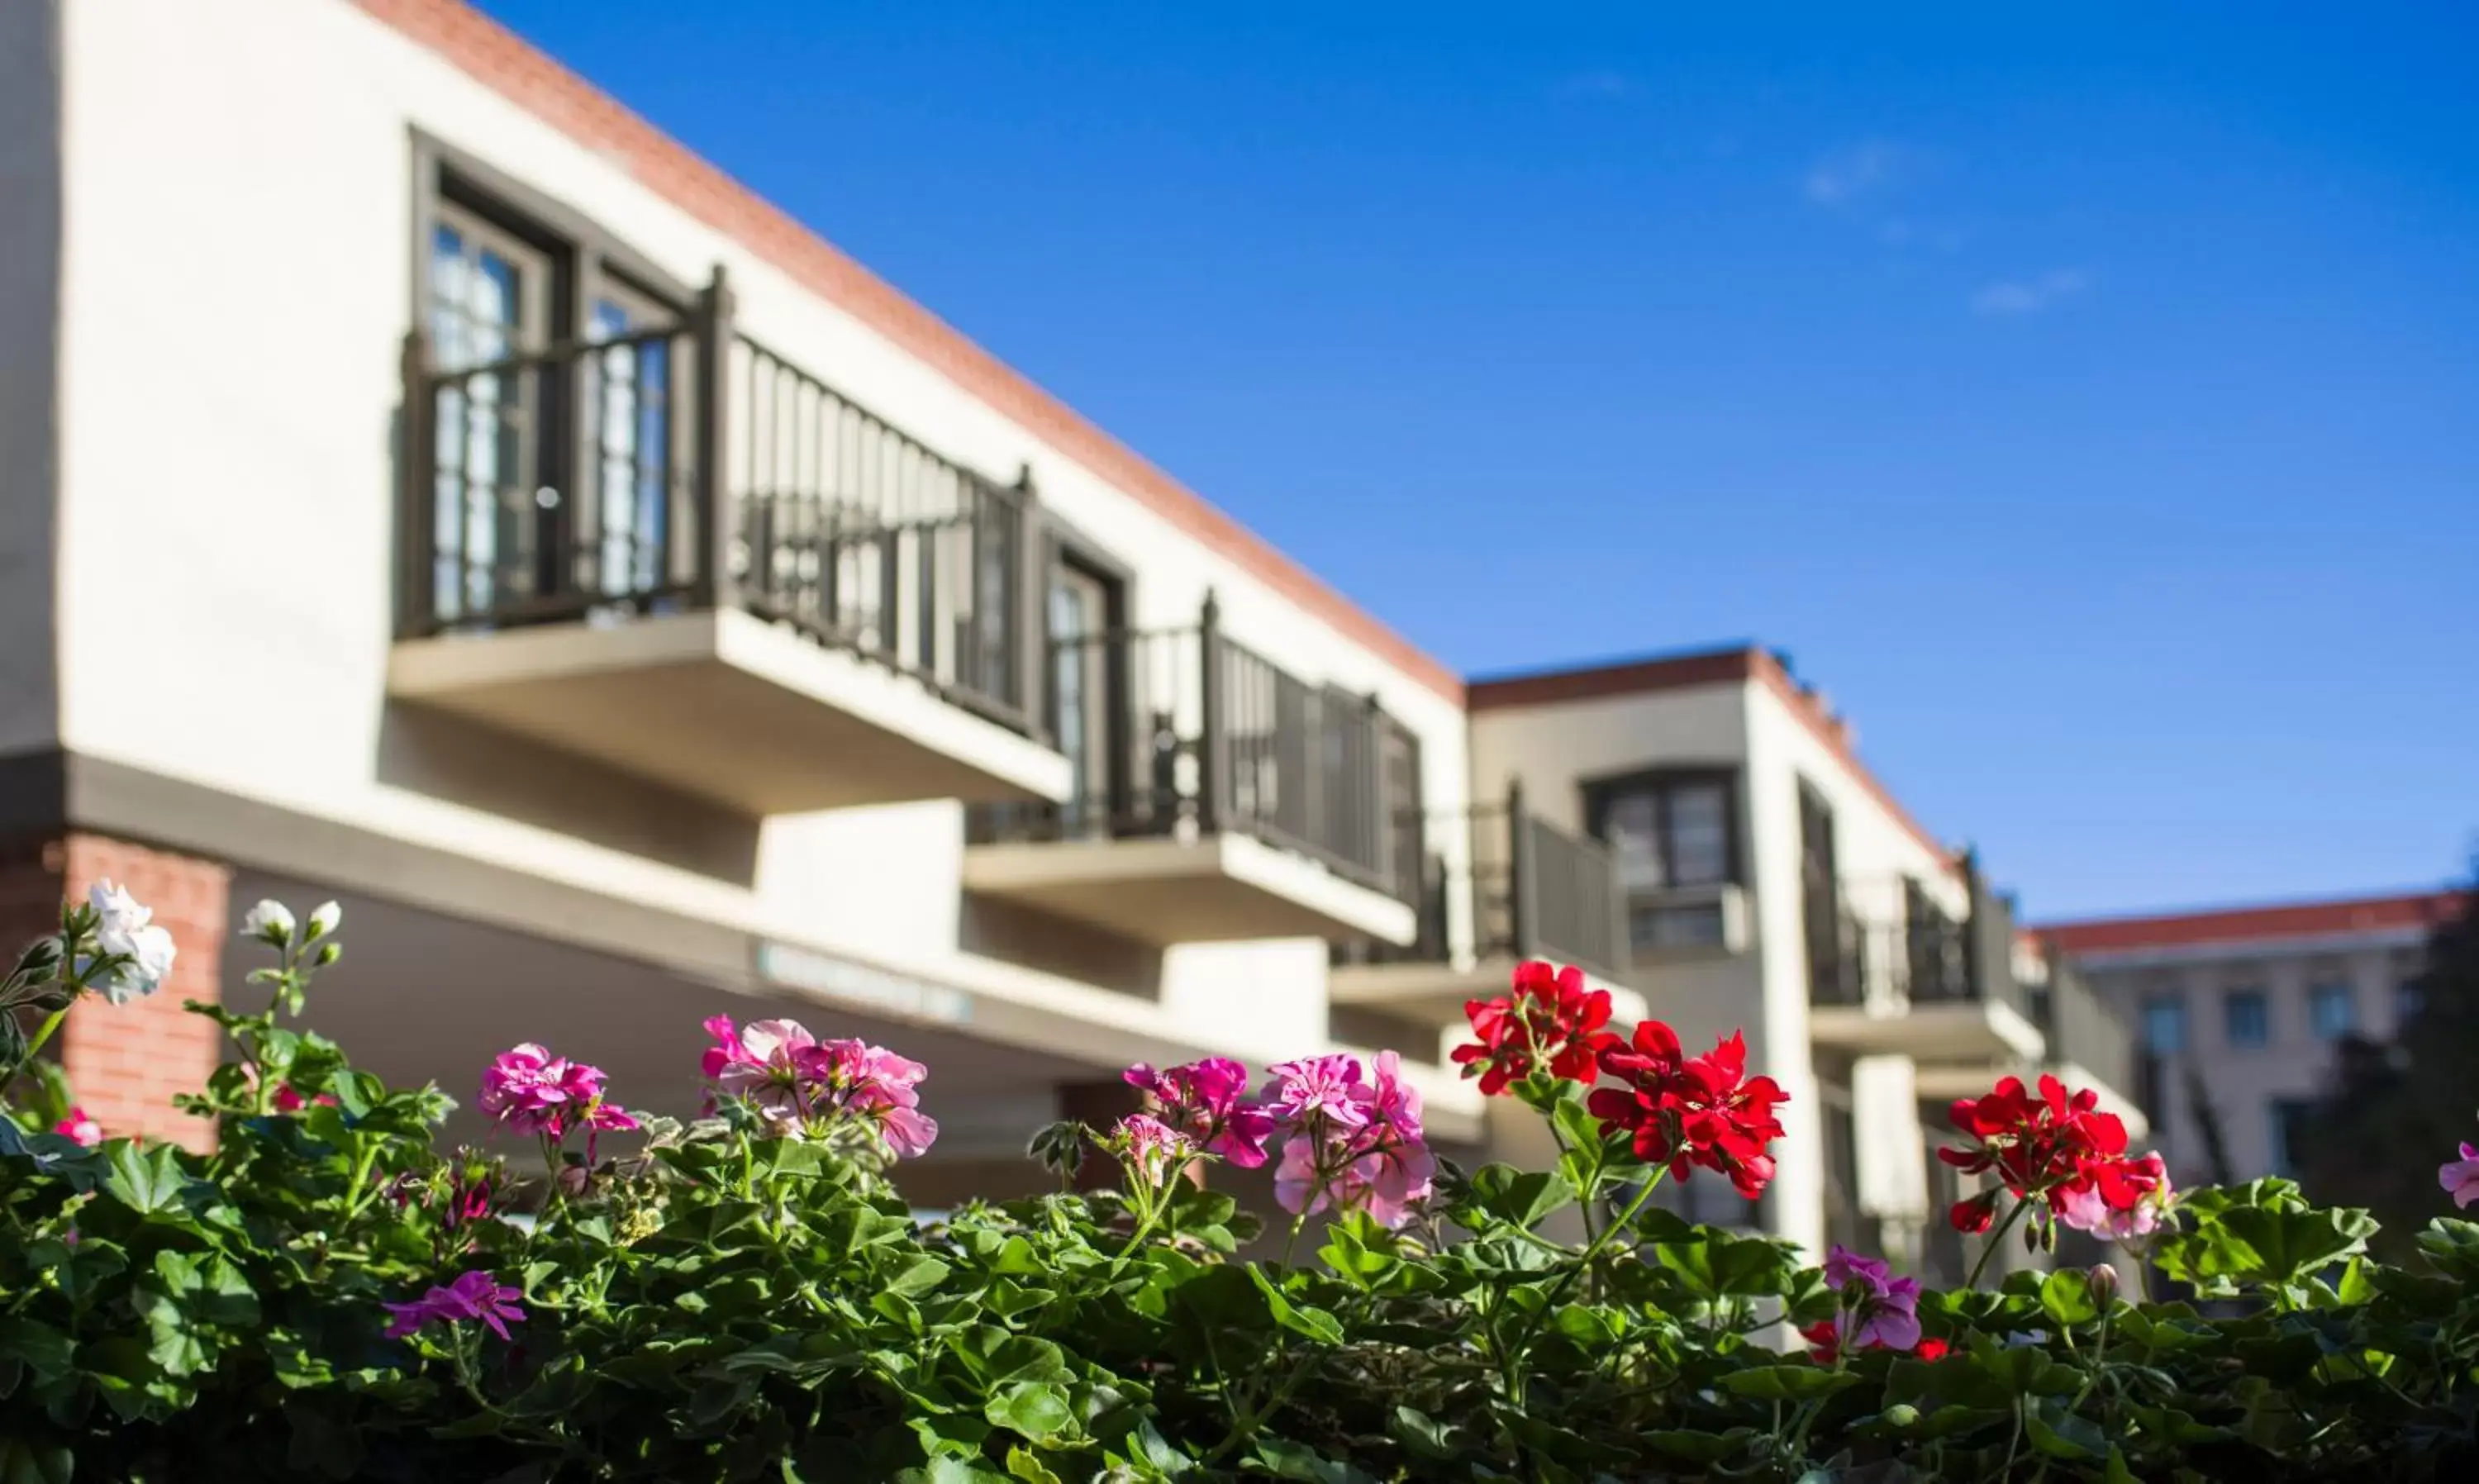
pixel 125 1061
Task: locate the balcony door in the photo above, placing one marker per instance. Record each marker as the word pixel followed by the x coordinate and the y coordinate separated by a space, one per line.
pixel 1084 676
pixel 1832 975
pixel 492 299
pixel 623 534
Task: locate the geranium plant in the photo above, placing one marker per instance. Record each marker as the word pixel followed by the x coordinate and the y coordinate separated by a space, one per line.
pixel 744 1295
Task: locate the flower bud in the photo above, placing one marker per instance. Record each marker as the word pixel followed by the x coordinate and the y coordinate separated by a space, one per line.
pixel 271 921
pixel 324 919
pixel 1902 1414
pixel 1059 1148
pixel 2103 1282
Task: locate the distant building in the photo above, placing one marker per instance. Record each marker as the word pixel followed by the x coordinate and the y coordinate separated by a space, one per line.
pixel 2242 1006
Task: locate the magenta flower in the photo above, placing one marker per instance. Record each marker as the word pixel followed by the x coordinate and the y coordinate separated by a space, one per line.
pixel 2461 1178
pixel 1318 1087
pixel 475 1296
pixel 1152 1150
pixel 1878 1310
pixel 80 1129
pixel 2090 1212
pixel 800 1084
pixel 527 1089
pixel 1208 1101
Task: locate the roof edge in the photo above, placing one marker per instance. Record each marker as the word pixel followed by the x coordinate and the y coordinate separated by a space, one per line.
pixel 499 59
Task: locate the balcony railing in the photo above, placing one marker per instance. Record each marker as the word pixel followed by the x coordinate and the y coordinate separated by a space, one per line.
pixel 1184 732
pixel 1922 957
pixel 1529 889
pixel 688 467
pixel 2084 1028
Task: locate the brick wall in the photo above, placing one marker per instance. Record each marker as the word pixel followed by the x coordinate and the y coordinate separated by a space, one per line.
pixel 126 1062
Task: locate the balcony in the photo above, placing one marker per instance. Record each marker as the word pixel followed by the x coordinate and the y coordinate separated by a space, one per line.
pixel 672 551
pixel 1215 797
pixel 1935 988
pixel 1521 889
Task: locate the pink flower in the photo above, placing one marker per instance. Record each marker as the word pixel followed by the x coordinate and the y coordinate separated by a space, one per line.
pixel 800 1084
pixel 80 1129
pixel 2089 1210
pixel 1208 1101
pixel 287 1101
pixel 527 1089
pixel 2461 1178
pixel 475 1296
pixel 1315 1087
pixel 1878 1310
pixel 1151 1149
pixel 1378 1160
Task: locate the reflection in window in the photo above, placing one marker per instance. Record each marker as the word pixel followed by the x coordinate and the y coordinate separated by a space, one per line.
pixel 2332 1010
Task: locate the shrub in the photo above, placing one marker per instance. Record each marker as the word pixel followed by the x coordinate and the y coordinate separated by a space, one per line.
pixel 744 1296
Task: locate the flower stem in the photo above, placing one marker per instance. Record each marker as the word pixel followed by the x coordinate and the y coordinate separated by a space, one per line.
pixel 1996 1240
pixel 51 1024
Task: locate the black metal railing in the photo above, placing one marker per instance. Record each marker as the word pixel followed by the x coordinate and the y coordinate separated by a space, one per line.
pixel 1185 731
pixel 1528 890
pixel 1916 952
pixel 687 466
pixel 2084 1028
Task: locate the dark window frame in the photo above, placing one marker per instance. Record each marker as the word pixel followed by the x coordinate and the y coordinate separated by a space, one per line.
pixel 1601 793
pixel 1062 545
pixel 2231 995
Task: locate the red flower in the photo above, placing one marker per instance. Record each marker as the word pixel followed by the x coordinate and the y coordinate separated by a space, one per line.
pixel 1825 1344
pixel 2049 1147
pixel 1682 1112
pixel 1931 1349
pixel 1548 1019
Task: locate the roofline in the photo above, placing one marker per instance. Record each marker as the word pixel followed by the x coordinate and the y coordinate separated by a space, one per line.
pixel 2256 923
pixel 1734 664
pixel 522 73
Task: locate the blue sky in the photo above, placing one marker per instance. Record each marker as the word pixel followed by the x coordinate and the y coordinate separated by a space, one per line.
pixel 2088 400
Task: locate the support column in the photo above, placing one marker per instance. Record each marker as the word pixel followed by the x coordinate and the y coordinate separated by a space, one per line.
pixel 126 1062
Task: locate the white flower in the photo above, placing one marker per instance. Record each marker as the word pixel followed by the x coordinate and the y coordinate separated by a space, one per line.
pixel 269 920
pixel 324 920
pixel 127 931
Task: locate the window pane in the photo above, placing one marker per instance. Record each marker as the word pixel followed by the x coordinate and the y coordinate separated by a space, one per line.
pixel 2164 1026
pixel 2333 1010
pixel 1629 825
pixel 1700 835
pixel 1698 926
pixel 2246 1019
pixel 2288 1117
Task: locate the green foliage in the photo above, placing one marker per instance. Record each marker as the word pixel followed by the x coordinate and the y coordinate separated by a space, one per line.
pixel 718 1305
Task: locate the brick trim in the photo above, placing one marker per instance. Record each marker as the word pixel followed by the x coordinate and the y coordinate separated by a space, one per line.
pixel 2270 922
pixel 508 65
pixel 126 1062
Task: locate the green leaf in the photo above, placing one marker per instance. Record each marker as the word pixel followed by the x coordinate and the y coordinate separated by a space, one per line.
pixel 22 1461
pixel 1023 1465
pixel 45 1351
pixel 2067 1296
pixel 1314 1323
pixel 1794 1382
pixel 1517 1197
pixel 147 1181
pixel 1033 1409
pixel 1422 1435
pixel 2061 1434
pixel 919 1276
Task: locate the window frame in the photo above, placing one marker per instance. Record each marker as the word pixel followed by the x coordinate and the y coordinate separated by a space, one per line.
pixel 1601 794
pixel 2321 991
pixel 2230 996
pixel 2171 1000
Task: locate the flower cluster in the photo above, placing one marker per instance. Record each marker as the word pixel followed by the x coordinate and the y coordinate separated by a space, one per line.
pixel 1354 1138
pixel 1208 1101
pixel 475 1295
pixel 1877 1312
pixel 528 1090
pixel 1548 1024
pixel 2088 1209
pixel 804 1087
pixel 138 954
pixel 2057 1148
pixel 1151 1150
pixel 1682 1112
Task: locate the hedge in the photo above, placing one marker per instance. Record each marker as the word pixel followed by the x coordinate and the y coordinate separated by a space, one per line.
pixel 743 1296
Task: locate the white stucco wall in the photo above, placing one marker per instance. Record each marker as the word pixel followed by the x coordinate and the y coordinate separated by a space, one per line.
pixel 238 234
pixel 1555 748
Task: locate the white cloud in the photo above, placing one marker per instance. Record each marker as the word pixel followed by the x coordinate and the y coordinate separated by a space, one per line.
pixel 2031 295
pixel 1844 175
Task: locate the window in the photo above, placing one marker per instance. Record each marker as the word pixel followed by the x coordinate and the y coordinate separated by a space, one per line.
pixel 2331 1010
pixel 2164 1025
pixel 2409 999
pixel 2246 1018
pixel 2290 1116
pixel 1669 832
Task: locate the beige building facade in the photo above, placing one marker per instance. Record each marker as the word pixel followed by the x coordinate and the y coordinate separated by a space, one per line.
pixel 2238 1010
